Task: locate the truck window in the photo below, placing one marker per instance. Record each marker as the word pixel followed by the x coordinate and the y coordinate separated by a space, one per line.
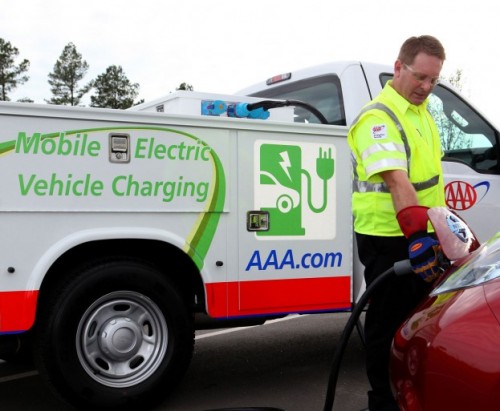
pixel 322 92
pixel 466 136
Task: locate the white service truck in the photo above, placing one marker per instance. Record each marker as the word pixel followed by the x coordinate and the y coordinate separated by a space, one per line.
pixel 118 226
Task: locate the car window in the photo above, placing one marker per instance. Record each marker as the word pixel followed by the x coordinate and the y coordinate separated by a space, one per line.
pixel 466 136
pixel 322 92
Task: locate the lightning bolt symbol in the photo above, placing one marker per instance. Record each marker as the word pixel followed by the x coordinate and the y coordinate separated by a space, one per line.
pixel 285 163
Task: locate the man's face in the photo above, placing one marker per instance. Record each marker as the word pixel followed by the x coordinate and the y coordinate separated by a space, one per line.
pixel 415 81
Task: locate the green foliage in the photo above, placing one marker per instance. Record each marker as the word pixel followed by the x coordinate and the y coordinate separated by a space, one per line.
pixel 185 86
pixel 114 89
pixel 456 79
pixel 68 71
pixel 452 137
pixel 25 100
pixel 11 74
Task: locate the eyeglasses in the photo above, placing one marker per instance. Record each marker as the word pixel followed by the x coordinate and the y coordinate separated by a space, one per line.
pixel 421 77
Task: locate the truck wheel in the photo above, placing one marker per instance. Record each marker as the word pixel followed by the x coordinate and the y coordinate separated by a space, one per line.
pixel 117 335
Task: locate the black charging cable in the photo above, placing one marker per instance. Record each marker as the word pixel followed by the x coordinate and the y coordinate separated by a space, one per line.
pixel 400 268
pixel 269 104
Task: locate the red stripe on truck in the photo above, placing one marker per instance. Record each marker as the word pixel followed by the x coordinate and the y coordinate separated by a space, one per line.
pixel 233 299
pixel 17 310
pixel 278 296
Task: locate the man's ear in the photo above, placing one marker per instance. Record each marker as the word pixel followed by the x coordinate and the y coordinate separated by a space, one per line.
pixel 398 65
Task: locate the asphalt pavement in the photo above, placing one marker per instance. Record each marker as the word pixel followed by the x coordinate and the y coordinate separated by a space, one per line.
pixel 283 364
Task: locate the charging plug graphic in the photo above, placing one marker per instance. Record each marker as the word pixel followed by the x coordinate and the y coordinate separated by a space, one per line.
pixel 325 169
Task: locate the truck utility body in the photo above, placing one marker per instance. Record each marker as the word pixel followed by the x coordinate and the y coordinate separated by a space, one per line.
pixel 181 181
pixel 119 225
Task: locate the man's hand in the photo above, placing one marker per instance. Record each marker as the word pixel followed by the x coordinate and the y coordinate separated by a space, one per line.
pixel 424 252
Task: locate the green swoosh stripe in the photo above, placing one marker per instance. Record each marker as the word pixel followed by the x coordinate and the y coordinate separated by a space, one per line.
pixel 203 232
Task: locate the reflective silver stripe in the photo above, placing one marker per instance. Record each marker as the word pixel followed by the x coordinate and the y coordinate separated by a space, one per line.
pixel 385 163
pixel 366 187
pixel 375 148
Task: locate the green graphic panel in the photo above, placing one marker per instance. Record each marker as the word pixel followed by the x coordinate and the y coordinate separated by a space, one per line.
pixel 280 184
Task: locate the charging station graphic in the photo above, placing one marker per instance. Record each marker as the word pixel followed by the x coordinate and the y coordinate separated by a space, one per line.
pixel 295 185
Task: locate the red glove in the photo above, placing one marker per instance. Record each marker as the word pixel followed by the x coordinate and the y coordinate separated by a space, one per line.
pixel 424 251
pixel 413 219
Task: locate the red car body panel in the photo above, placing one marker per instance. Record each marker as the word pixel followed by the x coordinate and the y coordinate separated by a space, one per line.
pixel 446 356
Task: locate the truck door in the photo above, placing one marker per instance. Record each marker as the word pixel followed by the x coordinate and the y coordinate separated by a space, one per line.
pixel 471 168
pixel 470 164
pixel 295 252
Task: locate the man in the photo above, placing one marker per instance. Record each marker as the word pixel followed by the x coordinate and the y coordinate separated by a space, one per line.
pixel 396 153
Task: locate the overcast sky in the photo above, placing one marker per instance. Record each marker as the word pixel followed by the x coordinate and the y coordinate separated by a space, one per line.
pixel 223 46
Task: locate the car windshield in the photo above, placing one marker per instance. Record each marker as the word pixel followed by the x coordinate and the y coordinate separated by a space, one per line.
pixel 483 267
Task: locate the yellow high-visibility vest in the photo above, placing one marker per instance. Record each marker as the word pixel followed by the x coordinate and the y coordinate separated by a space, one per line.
pixel 392 134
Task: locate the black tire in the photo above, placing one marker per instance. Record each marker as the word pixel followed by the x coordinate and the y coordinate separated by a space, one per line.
pixel 117 335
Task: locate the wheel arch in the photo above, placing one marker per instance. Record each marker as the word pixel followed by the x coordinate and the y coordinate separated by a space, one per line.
pixel 169 258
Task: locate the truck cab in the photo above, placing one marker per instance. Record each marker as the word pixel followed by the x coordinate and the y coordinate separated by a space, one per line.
pixel 470 142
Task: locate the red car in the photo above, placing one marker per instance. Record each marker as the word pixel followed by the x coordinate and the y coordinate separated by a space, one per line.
pixel 446 356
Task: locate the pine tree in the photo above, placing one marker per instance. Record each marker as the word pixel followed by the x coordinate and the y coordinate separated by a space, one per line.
pixel 185 86
pixel 11 74
pixel 114 89
pixel 68 71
